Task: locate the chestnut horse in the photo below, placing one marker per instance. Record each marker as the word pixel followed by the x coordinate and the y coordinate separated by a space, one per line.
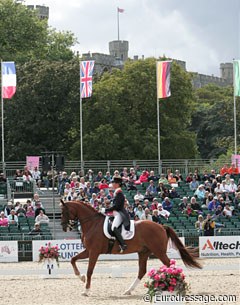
pixel 149 238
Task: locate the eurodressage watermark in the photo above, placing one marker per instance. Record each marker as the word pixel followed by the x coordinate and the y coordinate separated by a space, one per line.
pixel 204 299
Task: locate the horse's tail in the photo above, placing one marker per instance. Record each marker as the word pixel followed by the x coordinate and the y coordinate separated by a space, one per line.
pixel 188 255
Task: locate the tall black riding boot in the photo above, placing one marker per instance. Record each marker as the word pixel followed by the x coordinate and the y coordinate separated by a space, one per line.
pixel 120 240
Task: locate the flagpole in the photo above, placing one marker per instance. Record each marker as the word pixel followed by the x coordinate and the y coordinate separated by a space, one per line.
pixel 158 126
pixel 118 22
pixel 81 144
pixel 3 148
pixel 234 114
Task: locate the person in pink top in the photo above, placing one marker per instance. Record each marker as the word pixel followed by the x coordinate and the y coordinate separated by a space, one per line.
pixel 144 176
pixel 3 220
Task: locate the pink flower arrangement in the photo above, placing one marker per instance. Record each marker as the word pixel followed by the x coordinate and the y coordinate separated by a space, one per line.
pixel 171 279
pixel 49 252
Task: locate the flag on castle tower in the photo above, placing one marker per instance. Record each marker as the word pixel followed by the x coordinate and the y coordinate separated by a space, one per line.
pixel 9 79
pixel 86 75
pixel 120 10
pixel 236 78
pixel 163 79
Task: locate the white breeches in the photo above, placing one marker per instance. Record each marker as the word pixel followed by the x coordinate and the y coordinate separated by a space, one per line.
pixel 117 220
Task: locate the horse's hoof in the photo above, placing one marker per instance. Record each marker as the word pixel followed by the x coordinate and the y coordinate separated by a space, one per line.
pixel 127 292
pixel 86 293
pixel 82 278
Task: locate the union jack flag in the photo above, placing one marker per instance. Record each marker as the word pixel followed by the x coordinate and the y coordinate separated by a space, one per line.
pixel 86 74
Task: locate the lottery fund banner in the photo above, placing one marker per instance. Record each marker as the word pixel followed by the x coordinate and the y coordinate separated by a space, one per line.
pixel 219 246
pixel 8 251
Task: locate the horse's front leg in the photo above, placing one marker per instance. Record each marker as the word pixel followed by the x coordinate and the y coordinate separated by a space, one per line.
pixel 91 264
pixel 81 255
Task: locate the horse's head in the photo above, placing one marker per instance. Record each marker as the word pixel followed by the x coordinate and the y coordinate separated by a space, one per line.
pixel 67 221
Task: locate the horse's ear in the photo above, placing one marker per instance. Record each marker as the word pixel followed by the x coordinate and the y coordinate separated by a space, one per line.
pixel 62 203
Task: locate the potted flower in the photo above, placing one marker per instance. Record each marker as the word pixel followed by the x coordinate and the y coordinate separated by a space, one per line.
pixel 166 281
pixel 49 255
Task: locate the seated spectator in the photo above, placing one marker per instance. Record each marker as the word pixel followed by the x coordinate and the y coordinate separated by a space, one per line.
pixel 232 187
pixel 172 179
pixel 30 212
pixel 163 180
pixel 219 178
pixel 178 176
pixel 95 188
pixel 189 211
pixel 224 170
pixel 108 177
pixel 151 189
pixel 219 211
pixel 110 193
pixel 139 211
pixel 227 198
pixel 154 204
pixel 12 217
pixel 213 204
pixel 162 191
pixel 148 195
pixel 193 185
pixel 237 200
pixel 18 175
pixel 136 218
pixel 227 211
pixel 218 188
pixel 3 220
pixel 146 215
pixel 205 175
pixel 221 201
pixel 196 175
pixel 89 176
pixel 189 177
pixel 195 205
pixel 167 204
pixel 208 186
pixel 199 224
pixel 42 218
pixel 99 177
pixel 153 177
pixel 139 196
pixel 131 185
pixel 88 189
pixel 183 204
pixel 144 176
pixel 131 212
pixel 212 175
pixel 133 174
pixel 155 217
pixel 228 179
pixel 173 193
pixel 146 204
pixel 163 213
pixel 36 230
pixel 200 192
pixel 233 170
pixel 20 211
pixel 38 209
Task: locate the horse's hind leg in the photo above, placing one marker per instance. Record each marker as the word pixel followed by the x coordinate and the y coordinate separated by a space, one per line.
pixel 142 263
pixel 80 255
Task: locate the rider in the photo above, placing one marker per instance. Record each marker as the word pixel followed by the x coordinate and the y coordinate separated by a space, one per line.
pixel 119 212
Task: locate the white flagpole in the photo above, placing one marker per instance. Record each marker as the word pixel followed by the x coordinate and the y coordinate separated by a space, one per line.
pixel 158 124
pixel 3 146
pixel 81 142
pixel 234 113
pixel 118 22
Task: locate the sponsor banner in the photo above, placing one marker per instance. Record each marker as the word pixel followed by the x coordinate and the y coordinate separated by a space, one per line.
pixel 69 248
pixel 32 162
pixel 8 251
pixel 219 246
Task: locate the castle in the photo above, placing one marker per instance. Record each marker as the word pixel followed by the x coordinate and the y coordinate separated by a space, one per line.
pixel 118 54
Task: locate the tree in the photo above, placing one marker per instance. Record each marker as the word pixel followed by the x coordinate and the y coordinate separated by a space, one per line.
pixel 126 101
pixel 213 120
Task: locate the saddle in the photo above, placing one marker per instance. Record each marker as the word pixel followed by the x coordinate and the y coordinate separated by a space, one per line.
pixel 125 234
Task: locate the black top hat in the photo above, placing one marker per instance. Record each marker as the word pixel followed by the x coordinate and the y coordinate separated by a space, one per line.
pixel 117 179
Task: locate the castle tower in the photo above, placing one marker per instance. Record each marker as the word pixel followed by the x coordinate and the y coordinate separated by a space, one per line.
pixel 226 71
pixel 119 49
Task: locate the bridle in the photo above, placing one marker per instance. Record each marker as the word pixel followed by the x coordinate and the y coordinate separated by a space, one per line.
pixel 70 223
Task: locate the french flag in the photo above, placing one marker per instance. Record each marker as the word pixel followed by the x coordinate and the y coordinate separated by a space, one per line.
pixel 9 79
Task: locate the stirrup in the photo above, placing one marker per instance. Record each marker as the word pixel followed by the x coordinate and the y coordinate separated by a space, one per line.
pixel 122 248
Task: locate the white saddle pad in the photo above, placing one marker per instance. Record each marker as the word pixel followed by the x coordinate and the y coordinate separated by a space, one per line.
pixel 125 234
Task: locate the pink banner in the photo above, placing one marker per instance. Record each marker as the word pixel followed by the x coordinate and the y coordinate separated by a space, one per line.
pixel 236 161
pixel 32 161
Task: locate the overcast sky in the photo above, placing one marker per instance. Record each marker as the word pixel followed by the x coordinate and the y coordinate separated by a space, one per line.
pixel 203 33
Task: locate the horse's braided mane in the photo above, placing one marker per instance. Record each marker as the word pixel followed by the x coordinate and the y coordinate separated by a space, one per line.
pixel 88 206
